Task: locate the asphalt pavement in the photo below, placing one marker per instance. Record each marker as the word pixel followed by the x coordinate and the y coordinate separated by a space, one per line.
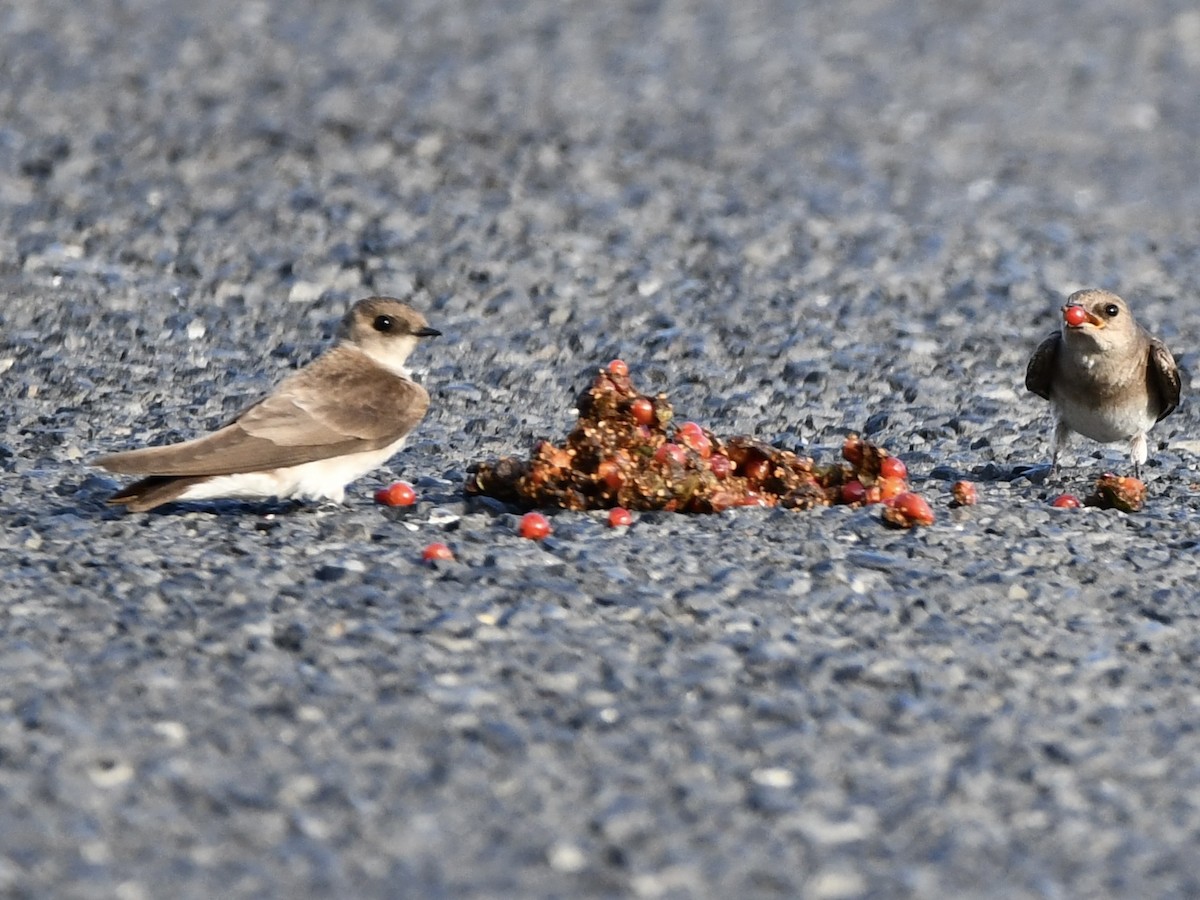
pixel 799 220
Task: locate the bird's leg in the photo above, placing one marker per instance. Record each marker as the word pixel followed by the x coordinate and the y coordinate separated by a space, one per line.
pixel 1061 434
pixel 1138 453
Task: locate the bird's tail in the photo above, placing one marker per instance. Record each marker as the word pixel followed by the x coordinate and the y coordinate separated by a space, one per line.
pixel 153 491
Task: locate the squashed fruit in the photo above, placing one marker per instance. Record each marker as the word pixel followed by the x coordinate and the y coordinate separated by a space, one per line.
pixel 1066 501
pixel 625 451
pixel 1117 492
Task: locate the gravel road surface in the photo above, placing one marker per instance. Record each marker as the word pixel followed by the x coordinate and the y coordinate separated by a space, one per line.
pixel 799 220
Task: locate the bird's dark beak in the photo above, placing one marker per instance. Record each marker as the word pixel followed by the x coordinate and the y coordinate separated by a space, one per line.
pixel 427 332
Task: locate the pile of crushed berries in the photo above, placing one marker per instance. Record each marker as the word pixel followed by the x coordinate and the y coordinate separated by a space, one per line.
pixel 627 451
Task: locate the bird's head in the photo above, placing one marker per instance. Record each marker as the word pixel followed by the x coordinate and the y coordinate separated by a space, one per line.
pixel 1095 320
pixel 385 329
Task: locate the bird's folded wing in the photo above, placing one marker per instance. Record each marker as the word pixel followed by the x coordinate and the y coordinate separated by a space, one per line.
pixel 1165 374
pixel 309 418
pixel 1040 371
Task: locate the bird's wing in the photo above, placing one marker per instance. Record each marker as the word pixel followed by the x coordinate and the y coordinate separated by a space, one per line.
pixel 1040 371
pixel 1164 374
pixel 322 411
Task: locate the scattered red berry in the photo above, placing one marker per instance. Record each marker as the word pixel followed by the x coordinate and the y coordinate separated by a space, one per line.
pixel 854 492
pixel 907 510
pixel 436 550
pixel 891 467
pixel 1066 501
pixel 692 435
pixel 670 453
pixel 1075 316
pixel 964 493
pixel 398 494
pixel 619 517
pixel 534 526
pixel 721 466
pixel 890 486
pixel 642 411
pixel 618 368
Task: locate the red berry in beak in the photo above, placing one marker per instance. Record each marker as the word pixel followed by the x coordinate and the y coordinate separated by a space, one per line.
pixel 1075 316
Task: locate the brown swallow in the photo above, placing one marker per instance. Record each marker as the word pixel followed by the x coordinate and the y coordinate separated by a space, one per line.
pixel 331 422
pixel 1106 378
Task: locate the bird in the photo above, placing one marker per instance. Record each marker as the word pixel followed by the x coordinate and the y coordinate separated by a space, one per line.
pixel 332 421
pixel 1104 375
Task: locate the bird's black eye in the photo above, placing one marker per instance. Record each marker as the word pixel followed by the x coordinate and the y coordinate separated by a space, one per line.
pixel 1111 310
pixel 384 323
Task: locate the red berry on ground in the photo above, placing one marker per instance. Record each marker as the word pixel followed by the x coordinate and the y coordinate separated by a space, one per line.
pixel 398 494
pixel 854 492
pixel 891 467
pixel 915 507
pixel 721 466
pixel 1075 316
pixel 907 510
pixel 437 550
pixel 670 453
pixel 642 411
pixel 964 493
pixel 1066 501
pixel 618 368
pixel 619 517
pixel 534 526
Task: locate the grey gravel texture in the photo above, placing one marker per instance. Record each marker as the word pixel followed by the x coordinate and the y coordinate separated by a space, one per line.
pixel 799 220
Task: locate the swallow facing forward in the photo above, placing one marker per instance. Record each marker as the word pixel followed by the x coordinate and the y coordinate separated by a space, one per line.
pixel 331 422
pixel 1106 378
